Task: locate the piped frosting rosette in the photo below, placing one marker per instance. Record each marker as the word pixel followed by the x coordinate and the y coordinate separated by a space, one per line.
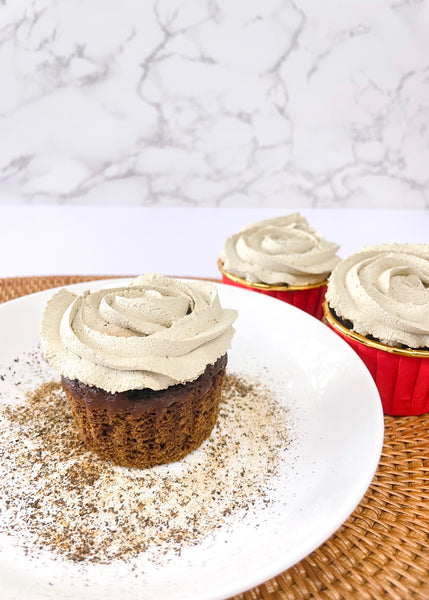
pixel 283 257
pixel 377 300
pixel 154 333
pixel 284 250
pixel 384 291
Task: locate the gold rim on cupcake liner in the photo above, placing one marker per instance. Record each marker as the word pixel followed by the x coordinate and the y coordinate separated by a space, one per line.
pixel 357 337
pixel 266 286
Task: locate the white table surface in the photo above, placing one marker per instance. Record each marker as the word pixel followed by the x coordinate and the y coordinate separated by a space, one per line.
pixel 50 240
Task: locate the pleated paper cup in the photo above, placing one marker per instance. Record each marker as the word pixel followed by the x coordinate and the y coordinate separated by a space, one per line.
pixel 400 374
pixel 308 298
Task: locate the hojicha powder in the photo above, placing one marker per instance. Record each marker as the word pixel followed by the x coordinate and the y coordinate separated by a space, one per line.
pixel 57 496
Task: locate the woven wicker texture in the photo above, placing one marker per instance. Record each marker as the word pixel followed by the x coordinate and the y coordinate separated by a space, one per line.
pixel 382 550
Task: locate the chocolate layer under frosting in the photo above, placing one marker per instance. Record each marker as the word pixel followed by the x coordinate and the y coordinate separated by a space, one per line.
pixel 138 402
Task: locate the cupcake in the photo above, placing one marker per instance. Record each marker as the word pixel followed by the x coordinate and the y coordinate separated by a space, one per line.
pixel 142 366
pixel 281 257
pixel 378 301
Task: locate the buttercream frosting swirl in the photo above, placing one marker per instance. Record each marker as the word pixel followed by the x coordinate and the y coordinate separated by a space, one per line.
pixel 153 333
pixel 284 250
pixel 384 291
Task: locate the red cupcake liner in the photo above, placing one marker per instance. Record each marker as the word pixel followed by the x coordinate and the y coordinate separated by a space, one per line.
pixel 401 375
pixel 310 299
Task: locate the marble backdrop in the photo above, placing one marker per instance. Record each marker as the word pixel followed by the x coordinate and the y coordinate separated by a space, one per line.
pixel 215 102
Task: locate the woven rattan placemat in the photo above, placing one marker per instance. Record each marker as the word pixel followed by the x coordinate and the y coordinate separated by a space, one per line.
pixel 382 550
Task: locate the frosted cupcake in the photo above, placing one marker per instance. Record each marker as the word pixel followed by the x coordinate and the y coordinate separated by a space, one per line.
pixel 281 257
pixel 142 365
pixel 378 301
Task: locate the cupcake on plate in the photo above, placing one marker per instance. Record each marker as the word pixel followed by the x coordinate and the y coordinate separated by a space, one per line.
pixel 378 301
pixel 282 257
pixel 142 365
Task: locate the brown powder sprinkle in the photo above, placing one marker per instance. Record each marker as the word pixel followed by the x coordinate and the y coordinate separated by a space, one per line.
pixel 57 496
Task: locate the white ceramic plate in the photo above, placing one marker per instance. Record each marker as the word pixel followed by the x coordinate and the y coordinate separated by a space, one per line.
pixel 338 438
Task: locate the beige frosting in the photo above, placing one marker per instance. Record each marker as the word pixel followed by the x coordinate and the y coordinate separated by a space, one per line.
pixel 284 250
pixel 384 291
pixel 154 333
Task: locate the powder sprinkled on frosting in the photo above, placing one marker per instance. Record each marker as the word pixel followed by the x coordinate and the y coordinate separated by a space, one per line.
pixel 282 250
pixel 154 333
pixel 383 290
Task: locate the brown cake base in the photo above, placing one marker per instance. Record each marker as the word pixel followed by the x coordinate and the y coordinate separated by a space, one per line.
pixel 142 428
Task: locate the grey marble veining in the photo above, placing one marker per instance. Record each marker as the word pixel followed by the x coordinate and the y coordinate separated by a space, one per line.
pixel 215 102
